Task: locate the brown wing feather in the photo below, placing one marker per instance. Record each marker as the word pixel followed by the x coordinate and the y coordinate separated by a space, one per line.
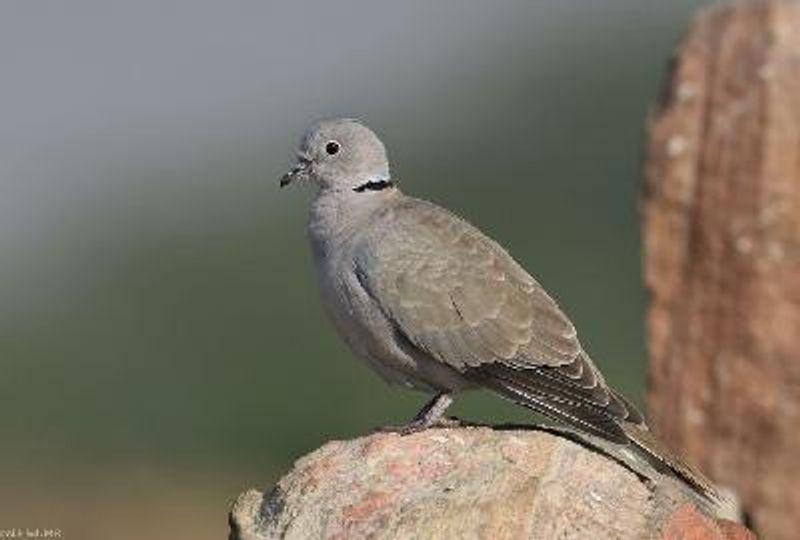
pixel 457 295
pixel 447 284
pixel 550 400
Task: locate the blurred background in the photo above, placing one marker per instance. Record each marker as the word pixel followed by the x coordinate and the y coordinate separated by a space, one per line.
pixel 161 343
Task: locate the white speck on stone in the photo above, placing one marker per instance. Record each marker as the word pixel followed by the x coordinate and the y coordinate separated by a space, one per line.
pixel 439 439
pixel 676 145
pixel 596 497
pixel 453 438
pixel 695 416
pixel 686 91
pixel 744 244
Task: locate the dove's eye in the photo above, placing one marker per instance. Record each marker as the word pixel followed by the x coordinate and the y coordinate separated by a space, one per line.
pixel 332 147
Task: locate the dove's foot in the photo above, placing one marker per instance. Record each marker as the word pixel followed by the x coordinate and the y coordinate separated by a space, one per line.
pixel 415 426
pixel 431 415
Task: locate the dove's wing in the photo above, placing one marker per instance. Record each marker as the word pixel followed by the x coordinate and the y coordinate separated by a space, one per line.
pixel 458 296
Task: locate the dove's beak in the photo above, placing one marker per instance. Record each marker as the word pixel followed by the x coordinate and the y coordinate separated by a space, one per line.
pixel 298 171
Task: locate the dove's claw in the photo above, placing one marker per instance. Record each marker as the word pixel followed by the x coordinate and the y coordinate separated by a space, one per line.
pixel 431 415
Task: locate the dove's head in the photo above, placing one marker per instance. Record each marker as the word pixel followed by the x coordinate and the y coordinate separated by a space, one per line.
pixel 341 154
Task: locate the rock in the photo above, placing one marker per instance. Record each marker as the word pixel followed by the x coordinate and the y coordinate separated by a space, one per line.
pixel 472 482
pixel 721 237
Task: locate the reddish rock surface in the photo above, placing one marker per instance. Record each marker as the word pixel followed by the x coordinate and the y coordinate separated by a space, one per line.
pixel 687 523
pixel 468 483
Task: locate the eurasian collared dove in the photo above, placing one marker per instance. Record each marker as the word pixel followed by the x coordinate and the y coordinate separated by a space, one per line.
pixel 432 303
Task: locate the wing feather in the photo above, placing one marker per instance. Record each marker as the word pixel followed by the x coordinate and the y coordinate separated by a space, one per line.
pixel 457 295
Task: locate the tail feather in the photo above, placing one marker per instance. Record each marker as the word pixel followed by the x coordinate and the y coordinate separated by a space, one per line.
pixel 665 461
pixel 621 424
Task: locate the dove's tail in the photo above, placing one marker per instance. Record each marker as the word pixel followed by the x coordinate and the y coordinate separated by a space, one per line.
pixel 623 425
pixel 665 461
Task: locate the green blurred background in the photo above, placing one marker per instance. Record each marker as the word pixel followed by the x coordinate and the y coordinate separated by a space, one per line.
pixel 161 342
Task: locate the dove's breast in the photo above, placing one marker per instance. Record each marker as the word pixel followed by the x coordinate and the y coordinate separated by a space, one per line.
pixel 358 320
pixel 357 317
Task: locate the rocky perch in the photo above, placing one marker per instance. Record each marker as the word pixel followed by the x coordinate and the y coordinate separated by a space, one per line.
pixel 470 483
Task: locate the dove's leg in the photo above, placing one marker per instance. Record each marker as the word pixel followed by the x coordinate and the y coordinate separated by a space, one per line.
pixel 432 414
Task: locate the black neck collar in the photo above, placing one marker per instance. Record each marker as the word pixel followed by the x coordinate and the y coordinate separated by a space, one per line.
pixel 374 185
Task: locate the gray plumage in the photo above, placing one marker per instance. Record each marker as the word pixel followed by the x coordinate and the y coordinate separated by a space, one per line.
pixel 432 303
